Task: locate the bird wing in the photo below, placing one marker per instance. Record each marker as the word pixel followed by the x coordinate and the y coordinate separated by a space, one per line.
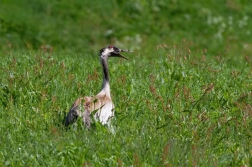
pixel 84 106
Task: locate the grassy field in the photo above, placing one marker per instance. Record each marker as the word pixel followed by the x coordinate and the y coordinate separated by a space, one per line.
pixel 170 111
pixel 183 99
pixel 84 26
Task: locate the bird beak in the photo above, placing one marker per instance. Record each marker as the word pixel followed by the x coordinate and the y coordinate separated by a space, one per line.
pixel 117 53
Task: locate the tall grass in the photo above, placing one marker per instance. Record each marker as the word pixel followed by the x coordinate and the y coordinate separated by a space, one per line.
pixel 179 108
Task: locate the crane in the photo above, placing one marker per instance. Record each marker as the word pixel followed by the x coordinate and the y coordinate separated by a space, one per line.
pixel 102 102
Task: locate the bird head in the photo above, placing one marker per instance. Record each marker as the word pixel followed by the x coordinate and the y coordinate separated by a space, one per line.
pixel 112 51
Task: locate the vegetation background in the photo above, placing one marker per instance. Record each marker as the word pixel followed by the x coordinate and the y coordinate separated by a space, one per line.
pixel 183 99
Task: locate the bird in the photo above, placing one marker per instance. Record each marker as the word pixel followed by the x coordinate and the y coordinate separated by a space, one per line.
pixel 101 103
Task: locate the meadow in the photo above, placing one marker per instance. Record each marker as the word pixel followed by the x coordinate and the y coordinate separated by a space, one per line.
pixel 171 111
pixel 183 98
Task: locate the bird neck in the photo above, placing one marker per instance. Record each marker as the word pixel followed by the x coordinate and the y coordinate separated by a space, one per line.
pixel 104 63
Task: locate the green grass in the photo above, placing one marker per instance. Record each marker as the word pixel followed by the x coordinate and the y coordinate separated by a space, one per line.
pixel 173 108
pixel 83 26
pixel 183 98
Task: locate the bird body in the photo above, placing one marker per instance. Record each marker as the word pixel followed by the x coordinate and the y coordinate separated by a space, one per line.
pixel 102 102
